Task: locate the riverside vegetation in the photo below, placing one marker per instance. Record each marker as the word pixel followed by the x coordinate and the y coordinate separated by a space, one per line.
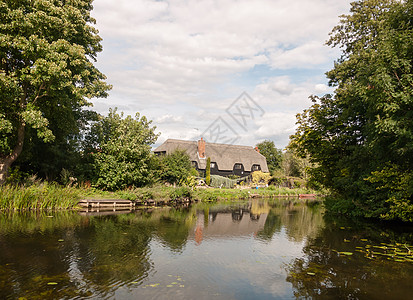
pixel 357 143
pixel 44 195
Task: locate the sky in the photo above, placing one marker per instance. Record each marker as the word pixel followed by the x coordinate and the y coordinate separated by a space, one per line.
pixel 230 71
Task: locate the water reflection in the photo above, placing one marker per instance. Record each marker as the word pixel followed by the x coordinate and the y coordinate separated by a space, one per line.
pixel 343 262
pixel 225 251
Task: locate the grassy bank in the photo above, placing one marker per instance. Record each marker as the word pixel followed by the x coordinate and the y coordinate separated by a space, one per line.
pixel 39 196
pixel 167 193
pixel 53 196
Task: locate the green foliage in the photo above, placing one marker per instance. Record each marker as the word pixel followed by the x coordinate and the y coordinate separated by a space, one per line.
pixel 175 167
pixel 66 177
pixel 16 176
pixel 272 154
pixel 180 193
pixel 353 136
pixel 259 177
pixel 121 150
pixel 48 159
pixel 47 49
pixel 208 171
pixel 395 189
pixel 294 165
pixel 190 181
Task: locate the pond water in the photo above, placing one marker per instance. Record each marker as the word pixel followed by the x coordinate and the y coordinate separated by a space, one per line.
pixel 274 249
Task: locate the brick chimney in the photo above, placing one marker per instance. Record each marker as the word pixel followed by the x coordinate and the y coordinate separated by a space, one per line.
pixel 201 148
pixel 256 149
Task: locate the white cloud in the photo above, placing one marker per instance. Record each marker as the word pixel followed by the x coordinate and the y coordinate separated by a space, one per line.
pixel 303 56
pixel 276 126
pixel 181 57
pixel 168 118
pixel 321 88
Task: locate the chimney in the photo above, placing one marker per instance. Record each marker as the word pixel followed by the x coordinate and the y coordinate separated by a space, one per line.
pixel 201 148
pixel 256 149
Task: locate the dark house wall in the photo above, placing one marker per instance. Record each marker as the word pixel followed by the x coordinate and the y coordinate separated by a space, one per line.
pixel 237 170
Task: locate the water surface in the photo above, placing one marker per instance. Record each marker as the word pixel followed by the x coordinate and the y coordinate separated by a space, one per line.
pixel 248 250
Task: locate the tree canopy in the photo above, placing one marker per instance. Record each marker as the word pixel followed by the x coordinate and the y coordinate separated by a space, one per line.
pixel 271 153
pixel 121 151
pixel 361 138
pixel 175 167
pixel 47 49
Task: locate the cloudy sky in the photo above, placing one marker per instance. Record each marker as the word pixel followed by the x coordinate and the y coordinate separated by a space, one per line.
pixel 185 64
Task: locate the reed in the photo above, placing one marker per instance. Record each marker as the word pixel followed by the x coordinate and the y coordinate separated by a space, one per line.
pixel 40 196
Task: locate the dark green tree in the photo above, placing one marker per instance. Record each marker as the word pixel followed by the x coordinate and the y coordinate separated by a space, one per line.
pixel 272 154
pixel 175 167
pixel 46 53
pixel 48 160
pixel 361 138
pixel 120 150
pixel 208 171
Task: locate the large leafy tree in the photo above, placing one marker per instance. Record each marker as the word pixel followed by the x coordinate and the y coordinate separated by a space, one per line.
pixel 47 49
pixel 361 138
pixel 121 151
pixel 271 153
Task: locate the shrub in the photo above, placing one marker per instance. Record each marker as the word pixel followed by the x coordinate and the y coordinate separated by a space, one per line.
pixel 180 193
pixel 260 177
pixel 176 167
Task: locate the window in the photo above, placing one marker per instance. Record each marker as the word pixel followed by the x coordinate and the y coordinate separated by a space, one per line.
pixel 237 166
pixel 213 165
pixel 256 167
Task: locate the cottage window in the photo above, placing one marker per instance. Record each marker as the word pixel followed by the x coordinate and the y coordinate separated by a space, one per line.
pixel 213 165
pixel 238 166
pixel 256 167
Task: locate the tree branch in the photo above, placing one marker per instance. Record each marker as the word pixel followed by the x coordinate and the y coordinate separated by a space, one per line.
pixel 38 96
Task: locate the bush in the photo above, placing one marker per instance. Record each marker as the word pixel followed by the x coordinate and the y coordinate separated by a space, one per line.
pixel 176 167
pixel 260 177
pixel 190 181
pixel 180 193
pixel 120 150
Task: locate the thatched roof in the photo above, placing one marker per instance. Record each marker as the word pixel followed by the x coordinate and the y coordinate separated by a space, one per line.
pixel 225 156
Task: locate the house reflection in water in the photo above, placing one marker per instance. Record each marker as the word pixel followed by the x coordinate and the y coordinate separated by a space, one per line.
pixel 234 222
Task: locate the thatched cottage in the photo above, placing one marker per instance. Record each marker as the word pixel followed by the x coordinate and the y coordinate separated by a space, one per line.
pixel 225 159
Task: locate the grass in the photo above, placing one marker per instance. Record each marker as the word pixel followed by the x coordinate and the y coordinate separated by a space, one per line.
pixel 163 193
pixel 39 196
pixel 53 196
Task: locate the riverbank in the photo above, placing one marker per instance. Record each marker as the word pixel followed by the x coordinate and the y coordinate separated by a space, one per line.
pixel 53 196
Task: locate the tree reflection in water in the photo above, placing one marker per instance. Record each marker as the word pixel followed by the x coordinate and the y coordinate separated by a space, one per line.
pixel 240 249
pixel 84 255
pixel 335 266
pixel 300 221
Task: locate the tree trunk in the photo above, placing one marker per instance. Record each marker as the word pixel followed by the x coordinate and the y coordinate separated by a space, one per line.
pixel 6 162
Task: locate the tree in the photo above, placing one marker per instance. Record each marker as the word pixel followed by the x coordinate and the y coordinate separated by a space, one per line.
pixel 272 154
pixel 121 151
pixel 208 171
pixel 176 167
pixel 294 165
pixel 49 160
pixel 46 53
pixel 362 136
